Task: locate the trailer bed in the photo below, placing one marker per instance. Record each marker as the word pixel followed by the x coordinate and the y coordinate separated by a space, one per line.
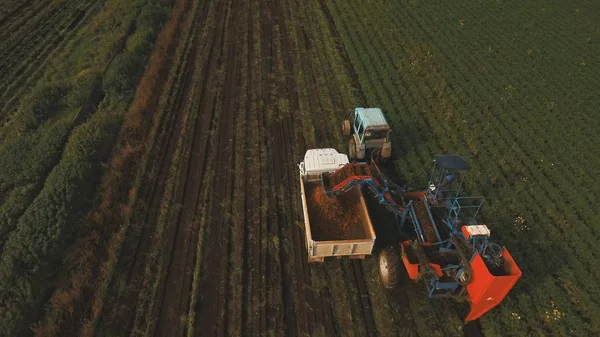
pixel 340 226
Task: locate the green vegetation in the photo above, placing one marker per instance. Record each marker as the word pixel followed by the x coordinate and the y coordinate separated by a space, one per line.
pixel 511 86
pixel 47 188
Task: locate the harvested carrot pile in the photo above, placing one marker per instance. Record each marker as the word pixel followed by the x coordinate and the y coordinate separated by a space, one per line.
pixel 333 218
pixel 425 221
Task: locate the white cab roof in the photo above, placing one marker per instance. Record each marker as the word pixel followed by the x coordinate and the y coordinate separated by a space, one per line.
pixel 317 161
pixel 373 117
pixel 479 230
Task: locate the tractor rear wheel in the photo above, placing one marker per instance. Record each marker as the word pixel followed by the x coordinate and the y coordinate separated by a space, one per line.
pixel 389 263
pixel 346 130
pixel 352 150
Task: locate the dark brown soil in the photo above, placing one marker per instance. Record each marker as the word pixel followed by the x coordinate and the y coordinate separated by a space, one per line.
pixel 333 218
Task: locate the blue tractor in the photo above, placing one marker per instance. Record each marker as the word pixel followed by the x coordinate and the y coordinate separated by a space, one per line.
pixel 370 135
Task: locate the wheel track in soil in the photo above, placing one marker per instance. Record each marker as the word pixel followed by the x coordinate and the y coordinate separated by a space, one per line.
pixel 282 321
pixel 282 132
pixel 167 146
pixel 213 302
pixel 249 184
pixel 264 86
pixel 240 191
pixel 319 301
pixel 171 300
pixel 364 298
pixel 295 321
pixel 222 185
pixel 251 248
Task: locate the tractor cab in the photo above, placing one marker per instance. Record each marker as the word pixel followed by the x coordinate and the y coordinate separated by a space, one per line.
pixel 370 135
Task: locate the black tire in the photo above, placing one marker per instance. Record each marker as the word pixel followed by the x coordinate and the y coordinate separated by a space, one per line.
pixel 352 150
pixel 346 128
pixel 389 267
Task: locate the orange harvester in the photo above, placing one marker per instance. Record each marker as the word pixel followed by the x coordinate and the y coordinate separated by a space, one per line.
pixel 436 230
pixel 486 290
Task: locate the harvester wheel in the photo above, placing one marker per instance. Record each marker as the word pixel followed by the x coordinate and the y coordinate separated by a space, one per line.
pixel 346 128
pixel 352 150
pixel 389 263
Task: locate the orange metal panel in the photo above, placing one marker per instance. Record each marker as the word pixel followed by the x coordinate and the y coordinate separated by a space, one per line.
pixel 437 269
pixel 465 232
pixel 411 268
pixel 486 290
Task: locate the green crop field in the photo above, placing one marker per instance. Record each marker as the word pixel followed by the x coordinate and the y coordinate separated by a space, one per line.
pixel 149 150
pixel 513 86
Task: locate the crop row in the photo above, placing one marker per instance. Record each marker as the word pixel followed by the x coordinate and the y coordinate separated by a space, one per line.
pixel 27 159
pixel 44 231
pixel 26 51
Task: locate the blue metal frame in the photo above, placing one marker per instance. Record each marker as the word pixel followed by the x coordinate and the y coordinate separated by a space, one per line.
pixel 455 209
pixel 446 287
pixel 416 224
pixel 378 192
pixel 357 123
pixel 437 234
pixel 452 193
pixel 435 287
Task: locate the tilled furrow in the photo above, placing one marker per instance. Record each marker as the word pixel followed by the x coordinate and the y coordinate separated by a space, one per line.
pixel 172 299
pixel 364 299
pixel 211 312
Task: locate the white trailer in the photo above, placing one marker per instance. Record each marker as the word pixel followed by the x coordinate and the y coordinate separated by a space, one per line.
pixel 316 162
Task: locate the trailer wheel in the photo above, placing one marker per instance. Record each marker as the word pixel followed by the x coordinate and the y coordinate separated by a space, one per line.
pixel 346 128
pixel 389 263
